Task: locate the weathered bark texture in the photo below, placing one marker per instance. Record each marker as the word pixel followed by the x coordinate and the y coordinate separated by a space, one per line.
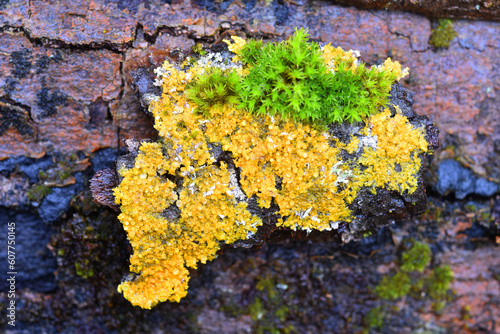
pixel 66 98
pixel 456 9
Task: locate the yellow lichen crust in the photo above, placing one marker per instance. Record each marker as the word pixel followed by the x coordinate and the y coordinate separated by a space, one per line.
pixel 394 164
pixel 236 47
pixel 395 68
pixel 305 160
pixel 163 248
pixel 290 164
pixel 335 56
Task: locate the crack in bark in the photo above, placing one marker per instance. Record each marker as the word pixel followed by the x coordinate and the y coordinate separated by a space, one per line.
pixel 470 10
pixel 59 44
pixel 119 98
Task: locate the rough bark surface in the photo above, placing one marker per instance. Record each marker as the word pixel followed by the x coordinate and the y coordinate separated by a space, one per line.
pixel 457 9
pixel 66 98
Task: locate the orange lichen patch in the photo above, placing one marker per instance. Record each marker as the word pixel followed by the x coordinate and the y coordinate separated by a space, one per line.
pixel 395 162
pixel 175 121
pixel 141 218
pixel 349 59
pixel 142 180
pixel 165 280
pixel 210 213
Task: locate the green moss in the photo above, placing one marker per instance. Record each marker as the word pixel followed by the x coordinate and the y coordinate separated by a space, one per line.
pixel 268 284
pixel 38 192
pixel 469 207
pixel 42 174
pixel 198 48
pixel 214 89
pixel 256 310
pixel 290 79
pixel 86 243
pixel 443 34
pixel 486 217
pixel 413 279
pixel 63 174
pixel 268 322
pixel 417 257
pixel 367 234
pixel 417 286
pixel 269 310
pixel 281 313
pixel 439 282
pixel 438 305
pixel 374 318
pixel 465 312
pixel 56 175
pixel 83 270
pixel 391 288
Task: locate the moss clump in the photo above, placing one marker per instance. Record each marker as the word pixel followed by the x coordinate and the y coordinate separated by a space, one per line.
pixel 214 90
pixel 417 257
pixel 374 318
pixel 85 245
pixel 291 79
pixel 443 34
pixel 198 48
pixel 268 322
pixel 269 311
pixel 38 192
pixel 61 173
pixel 439 282
pixel 414 260
pixel 83 269
pixel 393 287
pixel 414 279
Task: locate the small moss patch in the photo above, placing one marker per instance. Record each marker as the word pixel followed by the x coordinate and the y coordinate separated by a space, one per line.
pixel 417 257
pixel 443 34
pixel 413 279
pixel 38 192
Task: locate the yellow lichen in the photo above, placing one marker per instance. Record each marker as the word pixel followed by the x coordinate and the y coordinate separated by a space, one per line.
pixel 395 68
pixel 303 158
pixel 334 56
pixel 395 162
pixel 163 248
pixel 236 47
pixel 352 146
pixel 287 163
